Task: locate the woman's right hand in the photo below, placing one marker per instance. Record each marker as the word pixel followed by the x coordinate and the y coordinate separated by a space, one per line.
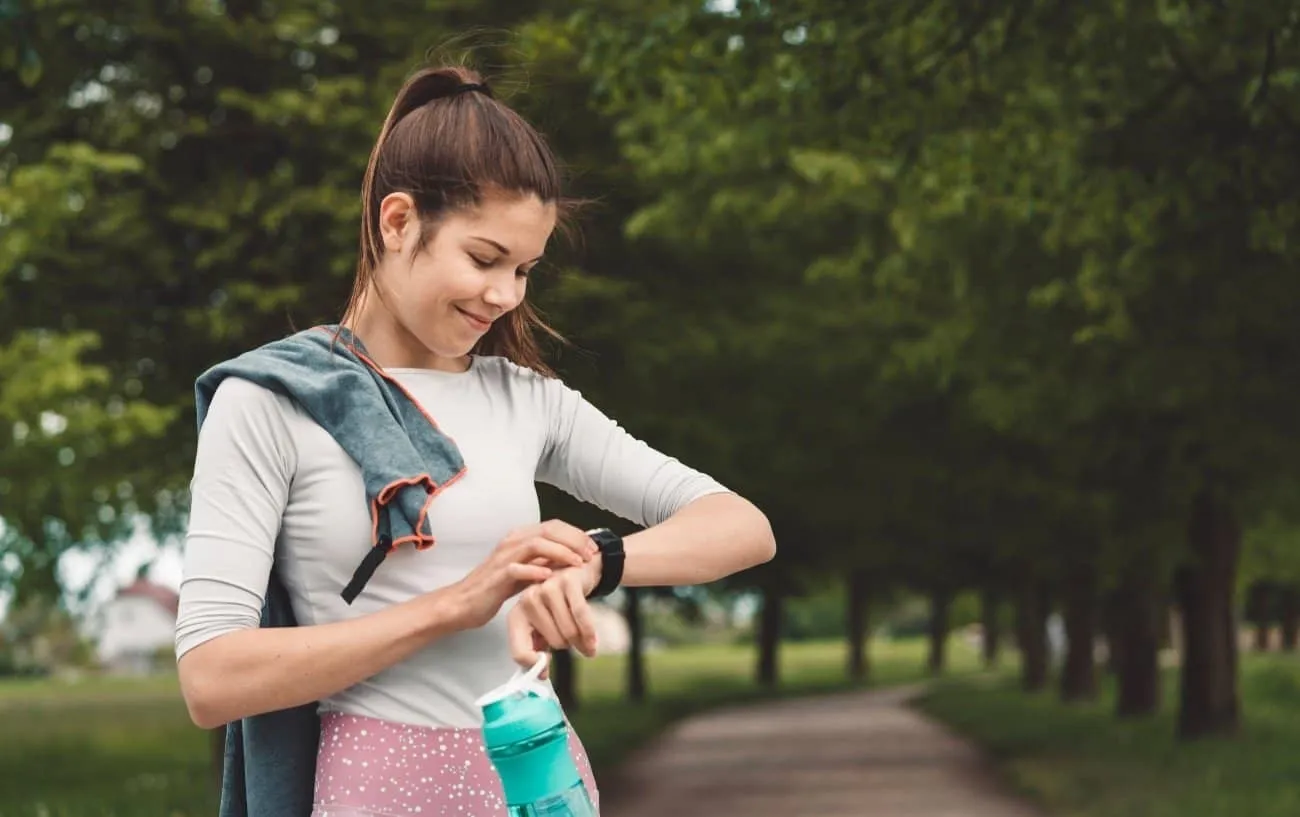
pixel 525 556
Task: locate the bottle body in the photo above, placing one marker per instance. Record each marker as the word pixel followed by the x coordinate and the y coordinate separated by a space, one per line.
pixel 539 776
pixel 574 802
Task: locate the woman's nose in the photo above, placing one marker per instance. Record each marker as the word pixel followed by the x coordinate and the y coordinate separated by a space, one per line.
pixel 503 295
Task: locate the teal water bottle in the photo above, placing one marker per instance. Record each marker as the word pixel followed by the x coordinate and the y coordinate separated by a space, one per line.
pixel 527 740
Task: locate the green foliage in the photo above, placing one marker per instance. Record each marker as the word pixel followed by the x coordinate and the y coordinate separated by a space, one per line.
pixel 961 294
pixel 817 616
pixel 64 481
pixel 39 639
pixel 179 184
pixel 986 252
pixel 1079 761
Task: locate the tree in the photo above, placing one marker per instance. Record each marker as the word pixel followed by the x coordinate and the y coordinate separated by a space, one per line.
pixel 1050 143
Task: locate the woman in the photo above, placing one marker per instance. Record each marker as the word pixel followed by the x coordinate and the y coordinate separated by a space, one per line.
pixel 461 197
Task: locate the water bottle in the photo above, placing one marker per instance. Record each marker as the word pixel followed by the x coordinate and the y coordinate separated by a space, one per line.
pixel 527 740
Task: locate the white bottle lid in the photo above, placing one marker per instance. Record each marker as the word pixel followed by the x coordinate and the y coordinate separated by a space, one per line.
pixel 522 681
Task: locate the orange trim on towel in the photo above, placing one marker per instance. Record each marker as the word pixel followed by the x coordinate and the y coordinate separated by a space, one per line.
pixel 421 540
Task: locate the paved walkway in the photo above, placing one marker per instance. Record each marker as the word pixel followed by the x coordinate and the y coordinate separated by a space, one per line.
pixel 854 755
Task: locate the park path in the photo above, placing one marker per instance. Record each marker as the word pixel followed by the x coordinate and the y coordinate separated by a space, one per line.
pixel 862 754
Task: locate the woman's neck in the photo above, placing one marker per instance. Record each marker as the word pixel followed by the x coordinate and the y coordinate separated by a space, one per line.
pixel 390 346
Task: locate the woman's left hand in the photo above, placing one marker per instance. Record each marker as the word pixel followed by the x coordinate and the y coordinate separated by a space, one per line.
pixel 555 614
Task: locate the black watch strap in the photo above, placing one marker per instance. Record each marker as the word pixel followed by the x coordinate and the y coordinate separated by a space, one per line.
pixel 611 561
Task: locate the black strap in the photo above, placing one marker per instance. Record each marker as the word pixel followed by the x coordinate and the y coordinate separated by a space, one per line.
pixel 371 563
pixel 612 558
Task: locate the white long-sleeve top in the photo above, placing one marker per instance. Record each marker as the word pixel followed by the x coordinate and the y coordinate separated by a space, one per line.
pixel 269 483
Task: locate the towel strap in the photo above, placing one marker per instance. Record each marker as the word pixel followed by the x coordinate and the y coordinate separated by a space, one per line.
pixel 377 554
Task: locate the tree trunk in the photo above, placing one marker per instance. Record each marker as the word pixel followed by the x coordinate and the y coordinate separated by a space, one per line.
pixel 1208 701
pixel 858 615
pixel 1137 612
pixel 1289 612
pixel 940 604
pixel 563 674
pixel 636 675
pixel 991 623
pixel 1031 633
pixel 1079 675
pixel 769 634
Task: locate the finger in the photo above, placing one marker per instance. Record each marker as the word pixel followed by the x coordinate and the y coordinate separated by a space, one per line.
pixel 539 617
pixel 530 572
pixel 539 647
pixel 582 617
pixel 552 551
pixel 570 536
pixel 557 604
pixel 522 639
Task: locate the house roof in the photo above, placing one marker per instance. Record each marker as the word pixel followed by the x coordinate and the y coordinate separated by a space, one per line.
pixel 140 588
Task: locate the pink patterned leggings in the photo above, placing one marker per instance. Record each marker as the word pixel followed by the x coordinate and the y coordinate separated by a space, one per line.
pixel 375 768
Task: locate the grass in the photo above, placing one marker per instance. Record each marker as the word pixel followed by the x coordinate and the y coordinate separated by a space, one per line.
pixel 113 748
pixel 1080 761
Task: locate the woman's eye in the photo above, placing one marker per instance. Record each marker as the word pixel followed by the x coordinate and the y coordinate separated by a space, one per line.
pixel 522 273
pixel 479 262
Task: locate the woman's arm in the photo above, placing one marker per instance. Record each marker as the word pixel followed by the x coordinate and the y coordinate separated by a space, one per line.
pixel 229 666
pixel 709 539
pixel 695 530
pixel 251 671
pixel 258 670
pixel 712 537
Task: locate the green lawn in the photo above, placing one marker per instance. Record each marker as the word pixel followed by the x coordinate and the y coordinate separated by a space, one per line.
pixel 1082 762
pixel 117 748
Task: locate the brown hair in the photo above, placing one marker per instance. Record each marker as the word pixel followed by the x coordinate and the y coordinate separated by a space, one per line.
pixel 446 142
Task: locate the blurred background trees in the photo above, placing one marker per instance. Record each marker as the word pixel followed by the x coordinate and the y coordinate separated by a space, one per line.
pixel 979 301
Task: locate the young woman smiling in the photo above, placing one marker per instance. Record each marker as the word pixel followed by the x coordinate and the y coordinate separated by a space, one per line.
pixel 460 200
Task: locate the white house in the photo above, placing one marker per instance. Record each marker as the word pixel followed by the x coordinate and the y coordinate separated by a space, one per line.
pixel 136 626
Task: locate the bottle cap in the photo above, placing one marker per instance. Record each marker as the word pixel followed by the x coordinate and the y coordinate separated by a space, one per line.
pixel 520 683
pixel 519 709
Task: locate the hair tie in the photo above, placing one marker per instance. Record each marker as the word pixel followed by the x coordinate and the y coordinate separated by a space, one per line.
pixel 471 86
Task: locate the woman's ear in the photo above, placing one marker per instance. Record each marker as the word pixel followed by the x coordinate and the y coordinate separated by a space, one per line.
pixel 397 216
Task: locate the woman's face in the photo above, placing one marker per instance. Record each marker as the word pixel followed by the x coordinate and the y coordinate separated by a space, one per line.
pixel 472 271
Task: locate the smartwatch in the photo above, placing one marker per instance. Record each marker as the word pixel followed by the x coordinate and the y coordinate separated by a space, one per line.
pixel 610 545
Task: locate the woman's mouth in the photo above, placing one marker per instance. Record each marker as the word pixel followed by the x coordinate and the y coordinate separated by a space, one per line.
pixel 479 324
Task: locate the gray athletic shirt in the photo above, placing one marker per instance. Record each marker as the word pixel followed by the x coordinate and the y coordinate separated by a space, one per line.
pixel 271 483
